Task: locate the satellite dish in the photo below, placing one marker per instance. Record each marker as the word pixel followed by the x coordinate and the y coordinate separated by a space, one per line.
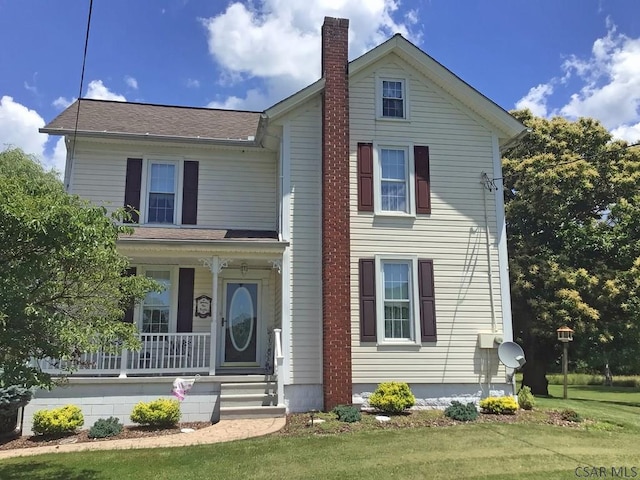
pixel 511 354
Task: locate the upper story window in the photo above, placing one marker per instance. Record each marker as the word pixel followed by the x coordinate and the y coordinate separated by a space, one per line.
pixel 393 99
pixel 161 201
pixel 163 192
pixel 393 180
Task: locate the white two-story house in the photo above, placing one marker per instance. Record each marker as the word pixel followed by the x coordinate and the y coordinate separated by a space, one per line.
pixel 349 235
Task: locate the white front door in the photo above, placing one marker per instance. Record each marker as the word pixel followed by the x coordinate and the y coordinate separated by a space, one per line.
pixel 240 335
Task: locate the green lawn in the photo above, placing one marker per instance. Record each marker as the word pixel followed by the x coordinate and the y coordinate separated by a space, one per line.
pixel 478 451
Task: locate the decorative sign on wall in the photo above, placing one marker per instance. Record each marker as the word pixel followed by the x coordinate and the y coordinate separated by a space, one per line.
pixel 203 306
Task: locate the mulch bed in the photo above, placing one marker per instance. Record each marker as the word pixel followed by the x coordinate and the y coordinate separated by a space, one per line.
pixel 83 436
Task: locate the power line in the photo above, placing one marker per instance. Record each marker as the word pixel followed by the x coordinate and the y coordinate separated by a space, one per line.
pixel 84 61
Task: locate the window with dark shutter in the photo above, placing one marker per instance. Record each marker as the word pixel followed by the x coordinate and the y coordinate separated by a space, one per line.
pixel 367 275
pixel 128 313
pixel 185 300
pixel 190 193
pixel 365 177
pixel 427 301
pixel 423 183
pixel 132 186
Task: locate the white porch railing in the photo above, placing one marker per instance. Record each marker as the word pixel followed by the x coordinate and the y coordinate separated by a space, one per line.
pixel 278 362
pixel 160 353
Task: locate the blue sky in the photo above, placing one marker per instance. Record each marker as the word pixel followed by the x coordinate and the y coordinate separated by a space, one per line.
pixel 569 57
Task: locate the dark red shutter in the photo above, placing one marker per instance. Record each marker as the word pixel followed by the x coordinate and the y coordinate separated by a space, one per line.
pixel 423 182
pixel 128 313
pixel 185 300
pixel 365 177
pixel 427 301
pixel 367 275
pixel 190 193
pixel 132 186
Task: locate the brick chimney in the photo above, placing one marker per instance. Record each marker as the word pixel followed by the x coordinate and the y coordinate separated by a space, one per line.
pixel 336 285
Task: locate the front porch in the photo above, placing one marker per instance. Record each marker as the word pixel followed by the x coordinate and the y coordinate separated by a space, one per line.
pixel 164 354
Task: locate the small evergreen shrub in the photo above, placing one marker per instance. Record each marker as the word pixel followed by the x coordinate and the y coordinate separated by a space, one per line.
pixel 56 421
pixel 526 400
pixel 104 428
pixel 157 413
pixel 461 412
pixel 347 413
pixel 499 405
pixel 392 397
pixel 569 415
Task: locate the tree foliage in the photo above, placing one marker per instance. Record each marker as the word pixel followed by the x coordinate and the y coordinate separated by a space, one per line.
pixel 572 201
pixel 62 288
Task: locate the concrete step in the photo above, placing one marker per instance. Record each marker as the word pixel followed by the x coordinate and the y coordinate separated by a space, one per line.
pixel 247 400
pixel 238 388
pixel 227 413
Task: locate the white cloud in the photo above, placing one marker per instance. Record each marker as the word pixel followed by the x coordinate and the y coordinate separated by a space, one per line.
pixel 608 86
pixel 254 100
pixel 280 40
pixel 193 83
pixel 536 99
pixel 62 102
pixel 98 91
pixel 131 82
pixel 19 128
pixel 31 88
pixel 630 133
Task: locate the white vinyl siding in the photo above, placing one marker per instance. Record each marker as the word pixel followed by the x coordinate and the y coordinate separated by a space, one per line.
pixel 237 188
pixel 306 249
pixel 453 235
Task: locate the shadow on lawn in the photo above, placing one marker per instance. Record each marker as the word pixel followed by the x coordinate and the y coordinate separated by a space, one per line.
pixel 45 471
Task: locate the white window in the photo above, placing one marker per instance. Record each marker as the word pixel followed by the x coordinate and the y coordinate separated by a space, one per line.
pixel 398 315
pixel 161 192
pixel 157 306
pixel 393 99
pixel 394 180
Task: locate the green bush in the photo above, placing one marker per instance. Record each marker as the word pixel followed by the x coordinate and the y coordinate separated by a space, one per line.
pixel 569 415
pixel 461 412
pixel 65 419
pixel 392 397
pixel 526 400
pixel 104 428
pixel 347 413
pixel 499 405
pixel 157 413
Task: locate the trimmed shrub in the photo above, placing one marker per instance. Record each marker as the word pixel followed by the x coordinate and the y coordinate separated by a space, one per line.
pixel 57 421
pixel 104 428
pixel 392 397
pixel 347 413
pixel 461 412
pixel 526 400
pixel 499 405
pixel 569 415
pixel 157 413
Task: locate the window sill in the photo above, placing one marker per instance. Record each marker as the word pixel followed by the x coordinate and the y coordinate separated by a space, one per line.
pixel 394 214
pixel 393 119
pixel 408 345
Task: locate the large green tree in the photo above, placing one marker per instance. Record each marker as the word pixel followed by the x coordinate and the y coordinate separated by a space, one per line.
pixel 62 287
pixel 572 201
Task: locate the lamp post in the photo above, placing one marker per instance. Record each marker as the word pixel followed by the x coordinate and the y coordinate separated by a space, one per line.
pixel 565 335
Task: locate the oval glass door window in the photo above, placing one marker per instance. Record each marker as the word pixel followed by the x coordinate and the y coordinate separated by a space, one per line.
pixel 241 319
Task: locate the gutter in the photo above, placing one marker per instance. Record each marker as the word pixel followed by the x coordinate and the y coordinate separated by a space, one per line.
pixel 148 136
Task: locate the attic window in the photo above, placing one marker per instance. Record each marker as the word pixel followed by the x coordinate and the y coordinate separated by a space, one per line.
pixel 393 99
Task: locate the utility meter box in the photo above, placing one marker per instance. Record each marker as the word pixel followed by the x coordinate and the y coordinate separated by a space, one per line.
pixel 489 340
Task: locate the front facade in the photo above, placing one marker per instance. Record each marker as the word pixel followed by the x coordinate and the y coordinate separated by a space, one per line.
pixel 349 235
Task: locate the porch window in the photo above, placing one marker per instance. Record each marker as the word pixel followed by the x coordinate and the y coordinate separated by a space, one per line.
pixel 156 307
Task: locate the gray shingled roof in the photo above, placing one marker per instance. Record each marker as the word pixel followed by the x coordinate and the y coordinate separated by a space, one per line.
pixel 104 116
pixel 199 234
